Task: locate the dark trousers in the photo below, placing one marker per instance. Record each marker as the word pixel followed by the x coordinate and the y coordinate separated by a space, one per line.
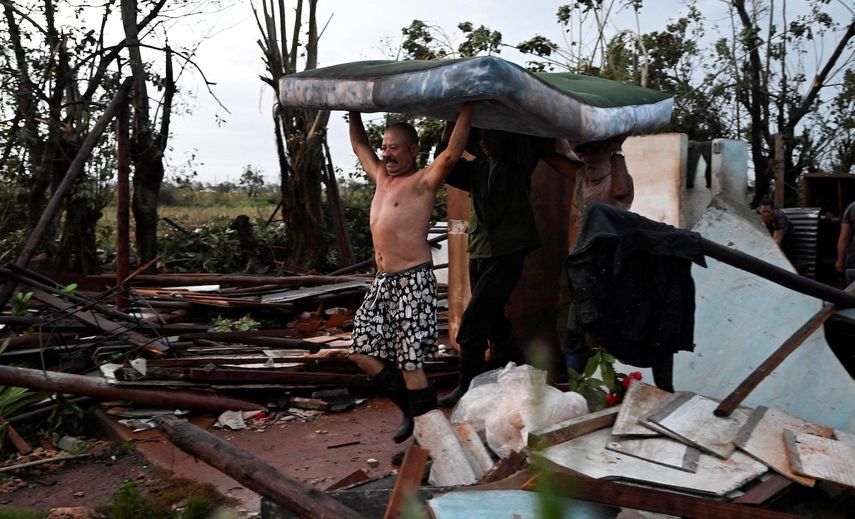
pixel 492 280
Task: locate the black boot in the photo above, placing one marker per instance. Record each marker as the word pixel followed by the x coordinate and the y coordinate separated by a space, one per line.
pixel 471 365
pixel 390 381
pixel 422 400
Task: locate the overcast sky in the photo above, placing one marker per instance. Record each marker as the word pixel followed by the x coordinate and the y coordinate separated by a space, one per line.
pixel 356 30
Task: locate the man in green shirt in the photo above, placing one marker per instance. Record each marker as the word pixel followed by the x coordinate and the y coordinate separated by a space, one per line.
pixel 502 230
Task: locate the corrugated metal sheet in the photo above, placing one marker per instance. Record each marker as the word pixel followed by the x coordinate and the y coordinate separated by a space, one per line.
pixel 805 238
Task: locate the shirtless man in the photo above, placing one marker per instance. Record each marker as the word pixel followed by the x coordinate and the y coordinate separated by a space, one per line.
pixel 395 330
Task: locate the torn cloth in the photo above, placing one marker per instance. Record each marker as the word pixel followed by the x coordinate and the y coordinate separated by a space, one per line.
pixel 631 284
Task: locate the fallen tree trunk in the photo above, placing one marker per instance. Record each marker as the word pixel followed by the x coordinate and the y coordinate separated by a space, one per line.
pixel 254 473
pixel 100 388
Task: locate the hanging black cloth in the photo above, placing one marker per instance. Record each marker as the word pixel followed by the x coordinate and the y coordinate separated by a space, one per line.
pixel 631 284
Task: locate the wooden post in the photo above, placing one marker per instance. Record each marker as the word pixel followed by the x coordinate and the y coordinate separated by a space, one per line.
pixel 727 406
pixel 122 204
pixel 53 207
pixel 256 475
pixel 778 166
pixel 459 291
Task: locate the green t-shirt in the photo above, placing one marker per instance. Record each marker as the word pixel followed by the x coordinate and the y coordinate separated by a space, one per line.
pixel 501 220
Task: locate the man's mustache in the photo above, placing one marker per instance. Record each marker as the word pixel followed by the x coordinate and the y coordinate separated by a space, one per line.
pixel 390 160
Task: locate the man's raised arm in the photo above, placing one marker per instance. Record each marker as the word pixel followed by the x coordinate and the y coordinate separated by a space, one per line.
pixel 361 147
pixel 444 162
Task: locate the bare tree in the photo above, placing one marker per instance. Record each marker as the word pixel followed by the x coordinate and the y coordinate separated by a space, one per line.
pixel 300 133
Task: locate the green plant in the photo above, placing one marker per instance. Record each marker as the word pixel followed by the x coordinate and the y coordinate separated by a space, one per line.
pixel 23 513
pixel 244 324
pixel 608 389
pixel 128 503
pixel 19 303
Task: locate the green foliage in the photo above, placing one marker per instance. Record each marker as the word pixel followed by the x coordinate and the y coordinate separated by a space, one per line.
pixel 129 503
pixel 19 303
pixel 12 512
pixel 595 390
pixel 243 324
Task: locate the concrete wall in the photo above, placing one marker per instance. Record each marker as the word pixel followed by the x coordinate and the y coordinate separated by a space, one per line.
pixel 657 164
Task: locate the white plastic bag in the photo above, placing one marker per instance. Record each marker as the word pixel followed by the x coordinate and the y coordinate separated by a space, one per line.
pixel 506 404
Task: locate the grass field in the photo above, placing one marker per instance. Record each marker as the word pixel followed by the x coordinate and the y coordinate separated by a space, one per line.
pixel 202 208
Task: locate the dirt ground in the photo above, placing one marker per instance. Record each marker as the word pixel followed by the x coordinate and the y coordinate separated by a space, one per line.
pixel 318 451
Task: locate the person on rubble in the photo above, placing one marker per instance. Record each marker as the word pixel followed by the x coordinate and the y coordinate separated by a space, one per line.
pixel 501 232
pixel 395 328
pixel 845 262
pixel 779 226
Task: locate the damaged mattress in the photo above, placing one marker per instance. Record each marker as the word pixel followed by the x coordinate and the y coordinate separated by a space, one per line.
pixel 580 108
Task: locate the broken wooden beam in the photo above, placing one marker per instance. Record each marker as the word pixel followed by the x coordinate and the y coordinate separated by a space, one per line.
pixel 270 376
pixel 96 387
pixel 100 322
pixel 650 499
pixel 20 443
pixel 572 428
pixel 253 473
pixel 732 401
pixel 408 481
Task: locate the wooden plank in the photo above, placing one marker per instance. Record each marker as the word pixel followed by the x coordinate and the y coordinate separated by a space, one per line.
pixel 100 322
pixel 279 377
pixel 639 401
pixel 19 442
pixel 409 480
pixel 729 404
pixel 821 458
pixel 651 499
pixel 689 418
pixel 765 490
pixel 762 437
pixel 353 478
pixel 505 467
pixel 569 429
pixel 587 455
pixel 663 451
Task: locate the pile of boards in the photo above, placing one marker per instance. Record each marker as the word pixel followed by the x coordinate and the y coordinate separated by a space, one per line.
pixel 676 442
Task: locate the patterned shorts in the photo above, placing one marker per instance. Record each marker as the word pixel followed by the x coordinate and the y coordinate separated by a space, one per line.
pixel 397 319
